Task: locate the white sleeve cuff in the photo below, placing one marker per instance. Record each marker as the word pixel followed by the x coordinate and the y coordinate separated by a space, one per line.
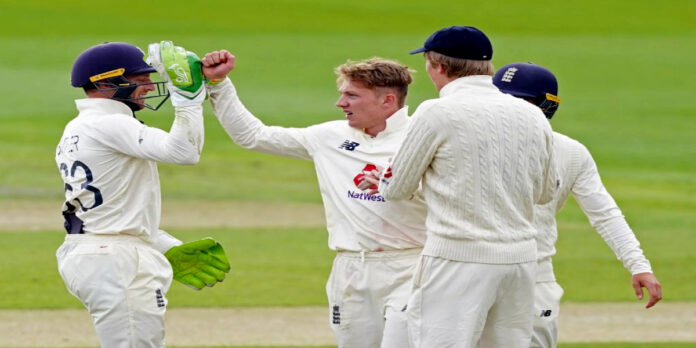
pixel 163 241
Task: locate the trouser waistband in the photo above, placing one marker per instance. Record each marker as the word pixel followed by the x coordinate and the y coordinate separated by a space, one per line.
pixel 377 255
pixel 104 238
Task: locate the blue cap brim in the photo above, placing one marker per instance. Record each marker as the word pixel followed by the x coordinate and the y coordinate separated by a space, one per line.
pixel 422 49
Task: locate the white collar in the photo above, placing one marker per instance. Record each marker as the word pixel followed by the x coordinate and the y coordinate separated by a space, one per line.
pixel 468 82
pixel 102 106
pixel 396 122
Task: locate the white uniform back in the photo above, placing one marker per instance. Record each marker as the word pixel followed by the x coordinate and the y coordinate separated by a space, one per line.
pixel 485 160
pixel 107 160
pixel 578 175
pixel 113 192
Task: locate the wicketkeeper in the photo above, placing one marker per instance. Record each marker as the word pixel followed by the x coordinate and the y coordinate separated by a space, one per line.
pixel 578 175
pixel 115 259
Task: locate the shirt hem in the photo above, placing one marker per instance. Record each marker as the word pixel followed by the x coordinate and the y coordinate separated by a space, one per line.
pixel 478 251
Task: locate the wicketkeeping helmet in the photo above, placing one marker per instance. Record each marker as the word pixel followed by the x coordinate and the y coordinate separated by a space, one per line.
pixel 106 65
pixel 532 82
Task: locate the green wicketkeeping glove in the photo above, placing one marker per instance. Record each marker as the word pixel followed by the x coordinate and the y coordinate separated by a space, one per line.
pixel 199 263
pixel 181 70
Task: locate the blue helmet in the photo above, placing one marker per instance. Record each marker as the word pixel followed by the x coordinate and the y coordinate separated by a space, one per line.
pixel 105 66
pixel 532 82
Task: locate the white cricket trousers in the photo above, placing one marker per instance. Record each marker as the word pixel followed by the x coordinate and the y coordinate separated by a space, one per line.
pixel 547 305
pixel 367 293
pixel 122 282
pixel 467 305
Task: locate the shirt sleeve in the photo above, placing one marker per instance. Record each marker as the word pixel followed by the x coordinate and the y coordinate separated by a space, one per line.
pixel 163 241
pixel 551 178
pixel 182 145
pixel 249 132
pixel 416 153
pixel 606 217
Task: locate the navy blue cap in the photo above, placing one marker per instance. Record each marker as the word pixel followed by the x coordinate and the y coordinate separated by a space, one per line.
pixel 459 42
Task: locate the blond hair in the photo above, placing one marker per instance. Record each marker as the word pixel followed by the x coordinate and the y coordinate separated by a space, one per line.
pixel 377 73
pixel 458 67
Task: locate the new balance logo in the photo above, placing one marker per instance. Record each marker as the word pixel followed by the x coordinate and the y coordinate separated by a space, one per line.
pixel 349 145
pixel 336 315
pixel 509 74
pixel 160 298
pixel 545 313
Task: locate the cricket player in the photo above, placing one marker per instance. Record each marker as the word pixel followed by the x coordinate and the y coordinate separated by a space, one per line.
pixel 115 259
pixel 578 175
pixel 484 159
pixel 377 242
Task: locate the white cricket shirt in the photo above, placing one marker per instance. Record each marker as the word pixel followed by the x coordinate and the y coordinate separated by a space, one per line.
pixel 355 220
pixel 579 176
pixel 107 159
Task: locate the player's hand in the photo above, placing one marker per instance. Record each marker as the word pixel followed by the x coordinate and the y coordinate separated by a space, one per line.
pixel 181 70
pixel 199 263
pixel 217 64
pixel 368 179
pixel 647 280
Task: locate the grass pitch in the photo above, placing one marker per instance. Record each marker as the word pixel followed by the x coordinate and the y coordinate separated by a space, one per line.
pixel 290 266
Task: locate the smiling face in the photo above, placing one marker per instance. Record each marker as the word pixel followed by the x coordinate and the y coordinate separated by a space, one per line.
pixel 365 108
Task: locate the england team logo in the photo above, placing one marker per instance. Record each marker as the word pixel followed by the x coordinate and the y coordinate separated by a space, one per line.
pixel 509 74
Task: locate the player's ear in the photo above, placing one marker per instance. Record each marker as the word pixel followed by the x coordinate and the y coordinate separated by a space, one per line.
pixel 389 99
pixel 441 69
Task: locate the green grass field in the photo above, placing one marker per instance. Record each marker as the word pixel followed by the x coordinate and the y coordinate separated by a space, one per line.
pixel 289 267
pixel 626 82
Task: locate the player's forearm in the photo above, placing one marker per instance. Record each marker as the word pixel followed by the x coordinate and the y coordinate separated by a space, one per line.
pixel 409 165
pixel 607 219
pixel 398 188
pixel 623 242
pixel 184 143
pixel 248 131
pixel 240 124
